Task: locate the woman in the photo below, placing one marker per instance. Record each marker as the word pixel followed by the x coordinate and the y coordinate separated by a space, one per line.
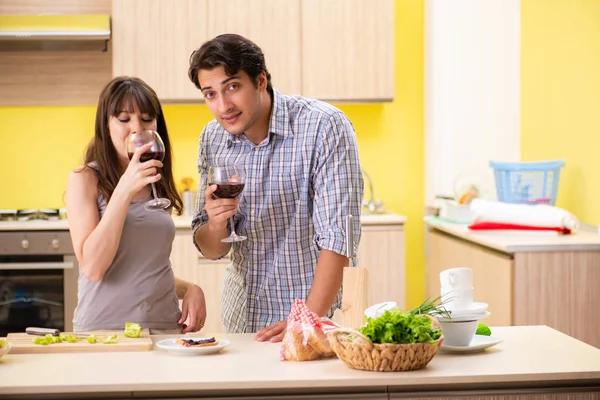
pixel 123 250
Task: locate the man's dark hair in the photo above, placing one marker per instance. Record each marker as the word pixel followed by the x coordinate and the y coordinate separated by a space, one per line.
pixel 232 52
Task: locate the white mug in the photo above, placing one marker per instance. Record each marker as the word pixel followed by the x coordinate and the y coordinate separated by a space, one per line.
pixel 457 299
pixel 457 278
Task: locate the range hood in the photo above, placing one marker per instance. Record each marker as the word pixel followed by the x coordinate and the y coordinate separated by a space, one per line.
pixel 54 32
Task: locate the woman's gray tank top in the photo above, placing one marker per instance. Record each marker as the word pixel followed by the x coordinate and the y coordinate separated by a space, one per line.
pixel 139 285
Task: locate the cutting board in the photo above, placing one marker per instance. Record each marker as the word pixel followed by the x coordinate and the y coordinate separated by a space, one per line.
pixel 22 343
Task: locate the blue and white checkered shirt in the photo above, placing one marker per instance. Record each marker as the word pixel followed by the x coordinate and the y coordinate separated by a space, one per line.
pixel 301 183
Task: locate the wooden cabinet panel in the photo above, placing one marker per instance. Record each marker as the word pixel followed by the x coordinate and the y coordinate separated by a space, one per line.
pixel 381 251
pixel 273 25
pixel 50 77
pixel 209 275
pixel 333 50
pixel 32 7
pixel 559 289
pixel 153 39
pixel 348 49
pixel 492 273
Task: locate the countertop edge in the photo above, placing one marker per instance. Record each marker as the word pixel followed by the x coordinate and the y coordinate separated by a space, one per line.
pixel 182 222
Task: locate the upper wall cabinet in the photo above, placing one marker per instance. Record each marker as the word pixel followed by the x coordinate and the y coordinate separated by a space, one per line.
pixel 153 40
pixel 273 25
pixel 336 50
pixel 44 72
pixel 348 49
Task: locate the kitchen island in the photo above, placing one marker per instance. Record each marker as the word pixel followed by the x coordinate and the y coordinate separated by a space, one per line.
pixel 526 278
pixel 531 361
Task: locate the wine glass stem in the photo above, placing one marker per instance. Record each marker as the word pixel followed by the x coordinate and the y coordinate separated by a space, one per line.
pixel 154 191
pixel 233 234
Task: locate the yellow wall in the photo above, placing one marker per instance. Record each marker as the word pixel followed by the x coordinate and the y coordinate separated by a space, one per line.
pixel 40 145
pixel 560 95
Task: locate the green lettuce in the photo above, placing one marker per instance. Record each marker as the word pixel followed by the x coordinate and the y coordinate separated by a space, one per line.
pixel 399 327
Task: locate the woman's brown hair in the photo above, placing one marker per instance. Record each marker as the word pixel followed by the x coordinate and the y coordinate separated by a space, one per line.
pixel 119 94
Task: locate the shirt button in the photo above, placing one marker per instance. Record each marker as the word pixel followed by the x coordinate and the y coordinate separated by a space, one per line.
pixel 252 296
pixel 252 212
pixel 252 181
pixel 255 266
pixel 255 148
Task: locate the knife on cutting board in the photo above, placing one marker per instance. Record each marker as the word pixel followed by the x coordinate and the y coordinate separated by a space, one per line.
pixel 54 332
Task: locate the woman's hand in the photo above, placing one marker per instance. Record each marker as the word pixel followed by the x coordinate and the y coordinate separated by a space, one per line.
pixel 193 309
pixel 139 174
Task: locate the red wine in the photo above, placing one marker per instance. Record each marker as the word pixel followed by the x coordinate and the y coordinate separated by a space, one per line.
pixel 227 190
pixel 150 155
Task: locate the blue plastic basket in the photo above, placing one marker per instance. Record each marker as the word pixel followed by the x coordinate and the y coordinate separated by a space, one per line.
pixel 527 182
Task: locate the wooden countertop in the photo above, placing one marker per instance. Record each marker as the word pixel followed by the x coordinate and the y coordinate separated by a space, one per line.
pixel 535 356
pixel 582 240
pixel 181 222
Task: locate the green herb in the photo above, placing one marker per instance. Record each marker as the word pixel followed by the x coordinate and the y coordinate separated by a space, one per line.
pixel 432 307
pixel 91 339
pixel 44 340
pixel 399 327
pixel 3 343
pixel 68 338
pixel 483 330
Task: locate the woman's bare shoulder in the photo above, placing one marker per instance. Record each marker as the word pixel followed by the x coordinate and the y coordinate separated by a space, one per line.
pixel 84 176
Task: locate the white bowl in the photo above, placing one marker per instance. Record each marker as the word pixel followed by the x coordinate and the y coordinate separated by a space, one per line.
pixel 460 331
pixel 379 309
pixel 5 350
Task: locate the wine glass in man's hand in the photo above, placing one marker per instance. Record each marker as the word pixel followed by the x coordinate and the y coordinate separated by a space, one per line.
pixel 230 181
pixel 156 152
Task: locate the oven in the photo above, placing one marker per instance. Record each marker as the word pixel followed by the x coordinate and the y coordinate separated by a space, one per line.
pixel 38 280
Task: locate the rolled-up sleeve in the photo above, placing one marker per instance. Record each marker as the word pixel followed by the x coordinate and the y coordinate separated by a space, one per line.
pixel 338 185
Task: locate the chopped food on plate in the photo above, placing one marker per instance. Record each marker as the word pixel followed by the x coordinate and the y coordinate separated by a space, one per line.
pixel 198 342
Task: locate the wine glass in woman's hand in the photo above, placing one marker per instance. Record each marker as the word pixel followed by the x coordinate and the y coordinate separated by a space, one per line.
pixel 230 181
pixel 156 152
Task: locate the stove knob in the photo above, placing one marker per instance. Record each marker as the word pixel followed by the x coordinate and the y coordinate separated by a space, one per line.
pixel 25 243
pixel 55 244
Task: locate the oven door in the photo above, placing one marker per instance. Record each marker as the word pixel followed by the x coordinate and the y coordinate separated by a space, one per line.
pixel 32 292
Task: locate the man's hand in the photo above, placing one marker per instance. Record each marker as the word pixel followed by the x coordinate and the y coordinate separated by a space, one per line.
pixel 273 333
pixel 218 210
pixel 193 309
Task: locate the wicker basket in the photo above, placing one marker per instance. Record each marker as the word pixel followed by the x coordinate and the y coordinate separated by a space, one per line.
pixel 358 352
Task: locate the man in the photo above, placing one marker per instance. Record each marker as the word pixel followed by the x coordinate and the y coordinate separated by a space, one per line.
pixel 303 178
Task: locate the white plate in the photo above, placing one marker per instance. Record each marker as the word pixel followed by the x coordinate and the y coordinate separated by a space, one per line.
pixel 479 343
pixel 172 346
